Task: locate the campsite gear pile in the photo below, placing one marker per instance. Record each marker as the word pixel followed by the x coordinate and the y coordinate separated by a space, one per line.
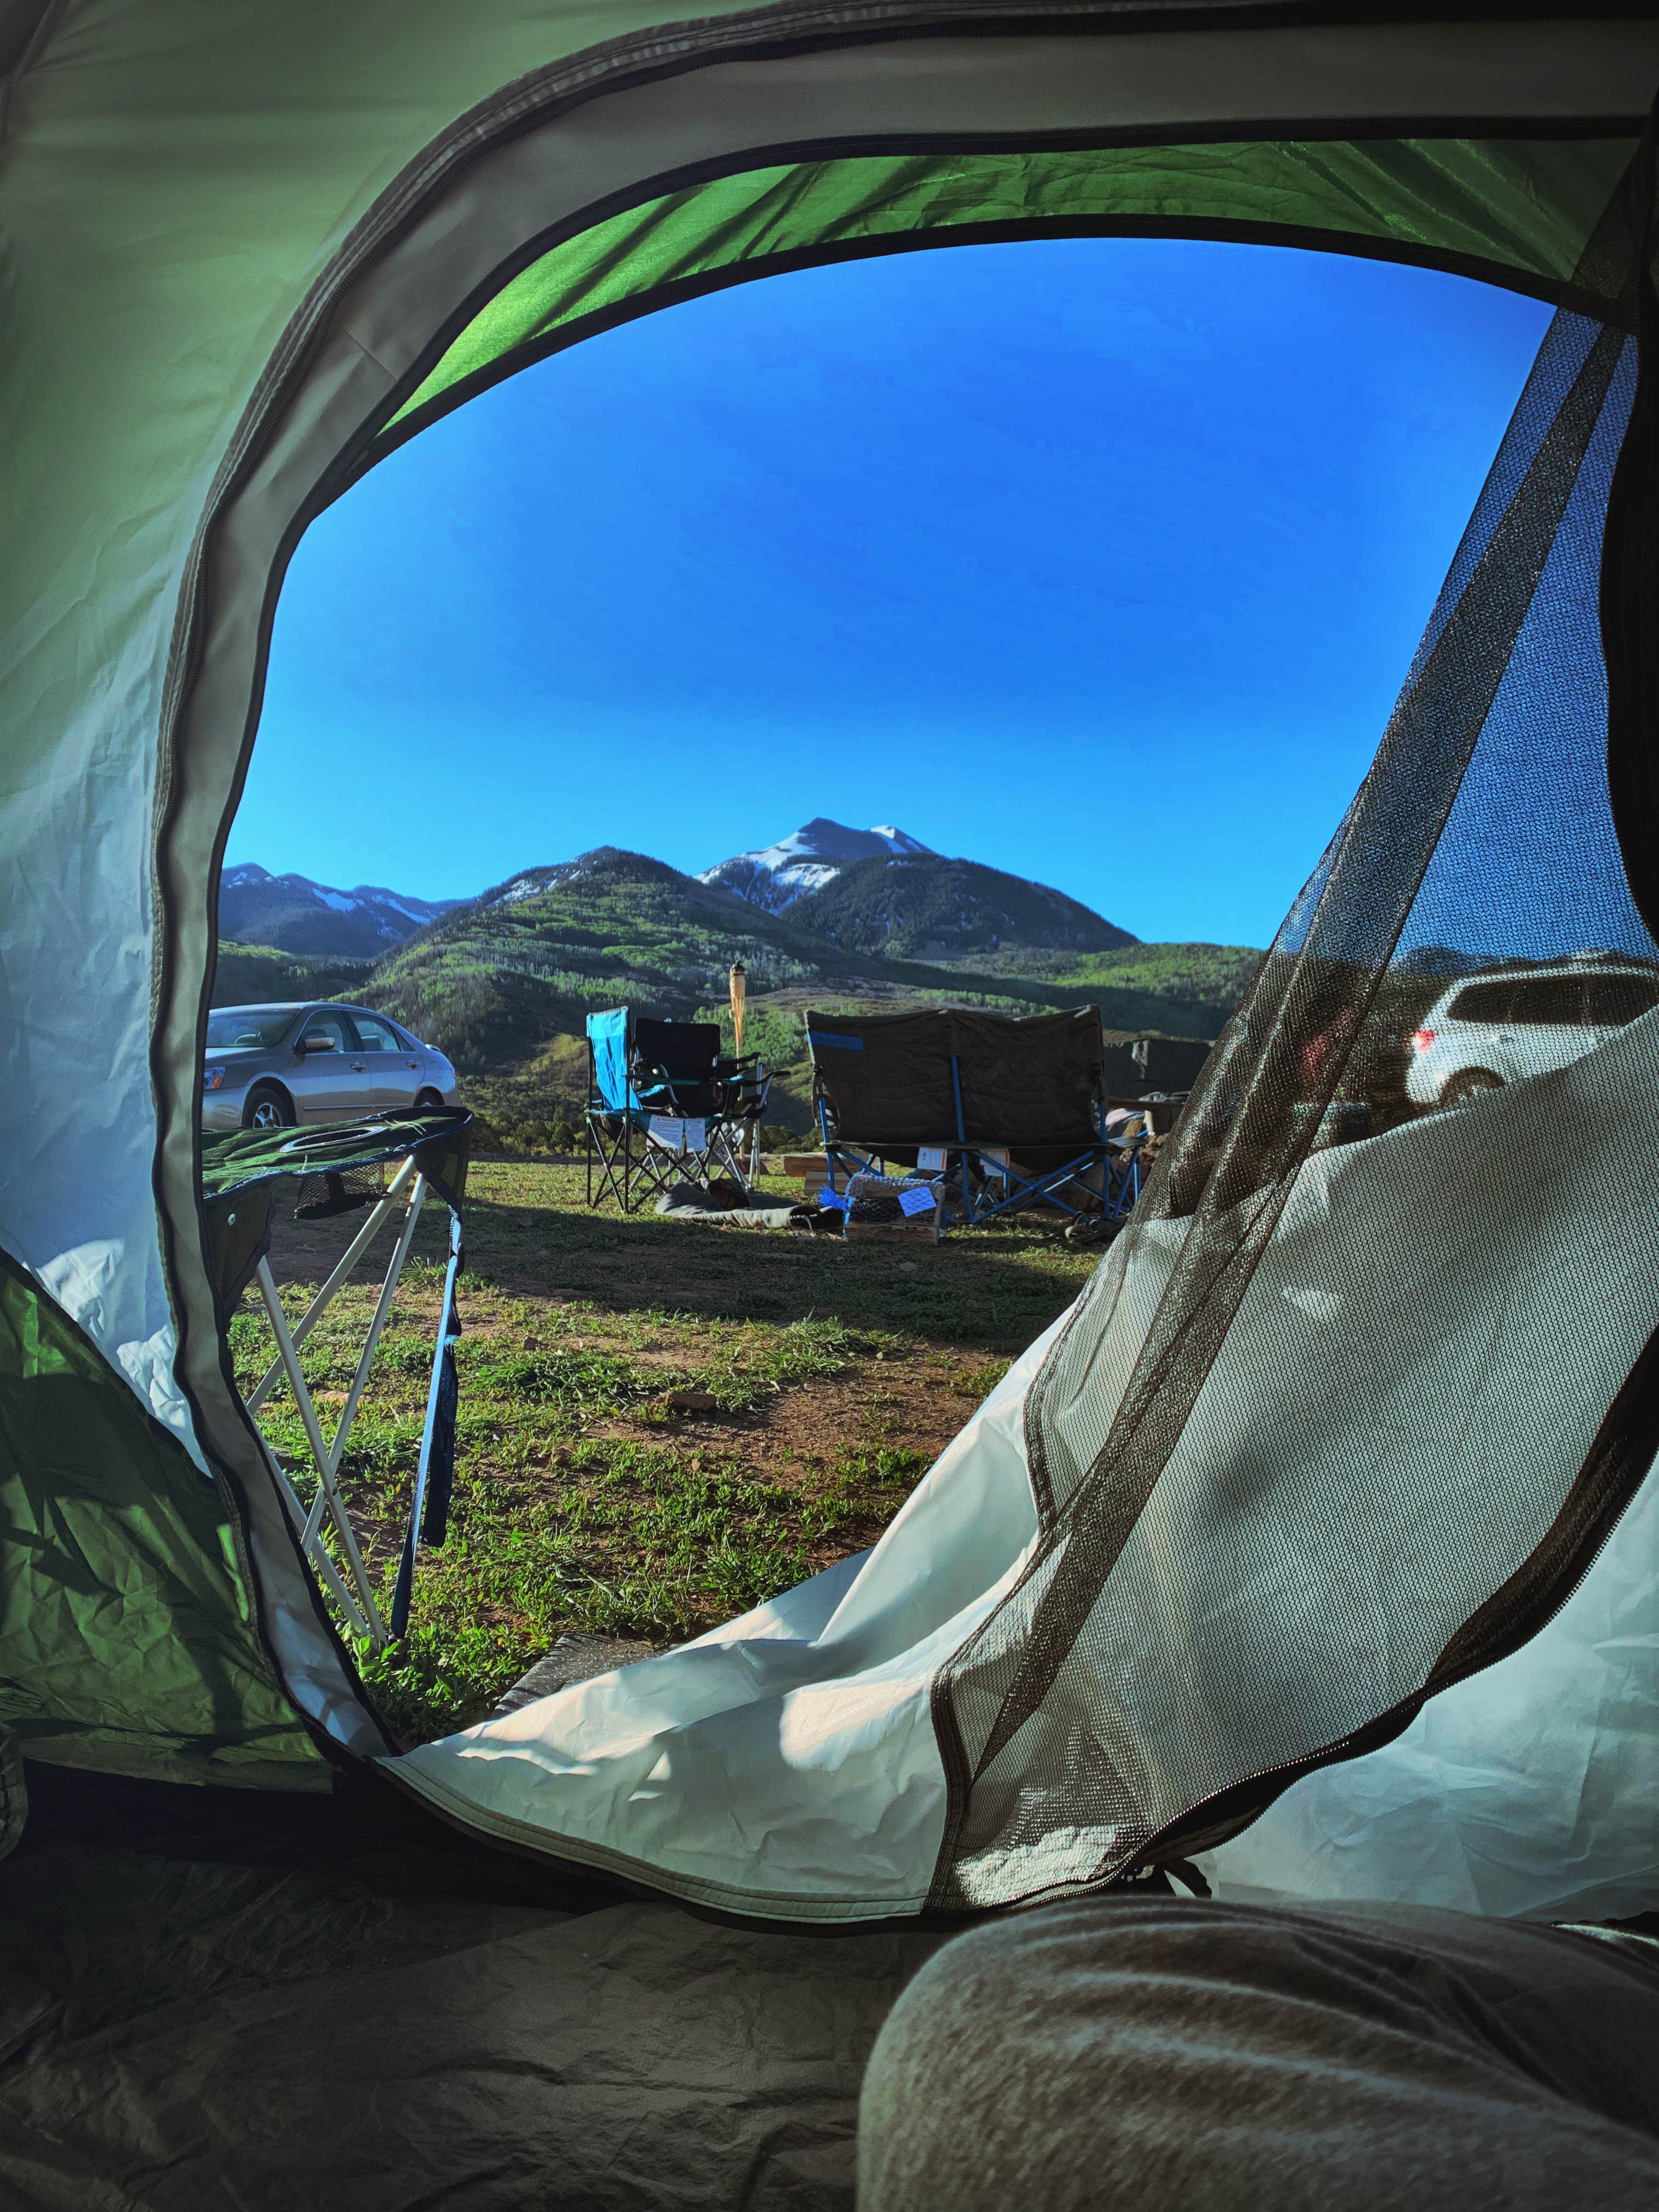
pixel 732 1207
pixel 883 1207
pixel 665 1107
pixel 1068 1148
pixel 338 1171
pixel 1316 1541
pixel 1003 1113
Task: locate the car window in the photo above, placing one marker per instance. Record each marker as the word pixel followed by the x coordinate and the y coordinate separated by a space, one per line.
pixel 1554 1001
pixel 329 1026
pixel 1612 999
pixel 228 1026
pixel 1483 1002
pixel 374 1035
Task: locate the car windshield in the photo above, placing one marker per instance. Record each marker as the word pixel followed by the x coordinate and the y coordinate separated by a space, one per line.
pixel 230 1026
pixel 1615 1000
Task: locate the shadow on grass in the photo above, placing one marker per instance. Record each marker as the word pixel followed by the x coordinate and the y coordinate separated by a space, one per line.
pixel 995 1288
pixel 825 1378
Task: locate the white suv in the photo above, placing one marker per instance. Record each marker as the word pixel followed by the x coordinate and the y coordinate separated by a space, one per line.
pixel 1508 1023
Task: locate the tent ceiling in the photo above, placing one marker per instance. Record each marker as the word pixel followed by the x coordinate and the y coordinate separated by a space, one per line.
pixel 1509 211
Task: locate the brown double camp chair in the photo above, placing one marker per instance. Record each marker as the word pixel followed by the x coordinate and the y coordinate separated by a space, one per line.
pixel 1000 1112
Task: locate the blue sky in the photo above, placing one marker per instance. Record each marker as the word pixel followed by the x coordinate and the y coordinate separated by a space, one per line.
pixel 1099 561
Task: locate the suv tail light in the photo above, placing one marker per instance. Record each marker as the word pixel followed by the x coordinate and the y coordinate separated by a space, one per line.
pixel 1421 1040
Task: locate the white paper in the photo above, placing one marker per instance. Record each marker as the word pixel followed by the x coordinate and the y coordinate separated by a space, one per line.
pixel 675 1135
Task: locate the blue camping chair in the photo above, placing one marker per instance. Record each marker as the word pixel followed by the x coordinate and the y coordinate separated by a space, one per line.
pixel 665 1106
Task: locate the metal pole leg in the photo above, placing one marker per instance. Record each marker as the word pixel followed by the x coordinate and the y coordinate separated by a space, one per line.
pixel 313 1313
pixel 328 1496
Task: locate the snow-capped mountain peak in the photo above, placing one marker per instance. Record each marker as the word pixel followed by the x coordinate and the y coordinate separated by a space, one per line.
pixel 295 915
pixel 775 876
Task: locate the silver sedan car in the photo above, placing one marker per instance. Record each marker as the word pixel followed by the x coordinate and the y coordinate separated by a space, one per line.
pixel 270 1066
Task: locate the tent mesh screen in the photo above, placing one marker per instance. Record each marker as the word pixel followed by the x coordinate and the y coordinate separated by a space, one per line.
pixel 1314 1410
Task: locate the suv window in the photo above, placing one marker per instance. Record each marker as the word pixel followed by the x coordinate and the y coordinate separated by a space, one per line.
pixel 1484 1002
pixel 329 1026
pixel 1611 1001
pixel 375 1036
pixel 1554 1001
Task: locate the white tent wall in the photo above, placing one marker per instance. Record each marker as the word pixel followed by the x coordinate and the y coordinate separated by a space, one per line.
pixel 784 1766
pixel 1488 1802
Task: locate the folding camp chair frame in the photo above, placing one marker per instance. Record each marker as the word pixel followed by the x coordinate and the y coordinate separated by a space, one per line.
pixel 978 1166
pixel 355 1597
pixel 621 1162
pixel 1131 1178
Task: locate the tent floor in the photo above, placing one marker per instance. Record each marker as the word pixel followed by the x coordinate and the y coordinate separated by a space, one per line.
pixel 210 1998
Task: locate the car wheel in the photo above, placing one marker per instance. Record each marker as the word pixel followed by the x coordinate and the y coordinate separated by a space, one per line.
pixel 1469 1084
pixel 427 1102
pixel 268 1108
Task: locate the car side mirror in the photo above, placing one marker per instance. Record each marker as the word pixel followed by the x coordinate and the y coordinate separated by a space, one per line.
pixel 318 1044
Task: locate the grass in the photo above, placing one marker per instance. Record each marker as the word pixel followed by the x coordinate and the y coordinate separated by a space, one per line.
pixel 583 1502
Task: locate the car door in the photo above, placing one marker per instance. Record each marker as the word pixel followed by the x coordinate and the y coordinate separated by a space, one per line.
pixel 330 1080
pixel 1547 1024
pixel 1473 1036
pixel 394 1073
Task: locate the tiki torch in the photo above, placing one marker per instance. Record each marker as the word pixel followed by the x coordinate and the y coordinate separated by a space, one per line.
pixel 739 984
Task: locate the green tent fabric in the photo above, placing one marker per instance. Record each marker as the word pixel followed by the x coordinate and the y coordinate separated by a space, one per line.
pixel 1511 211
pixel 127 1638
pixel 245 251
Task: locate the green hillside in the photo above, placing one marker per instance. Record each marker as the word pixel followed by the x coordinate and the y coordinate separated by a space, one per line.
pixel 1208 975
pixel 247 974
pixel 492 983
pixel 912 905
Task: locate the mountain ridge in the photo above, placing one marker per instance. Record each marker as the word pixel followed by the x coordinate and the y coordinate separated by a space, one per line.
pixel 924 907
pixel 825 875
pixel 294 914
pixel 494 980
